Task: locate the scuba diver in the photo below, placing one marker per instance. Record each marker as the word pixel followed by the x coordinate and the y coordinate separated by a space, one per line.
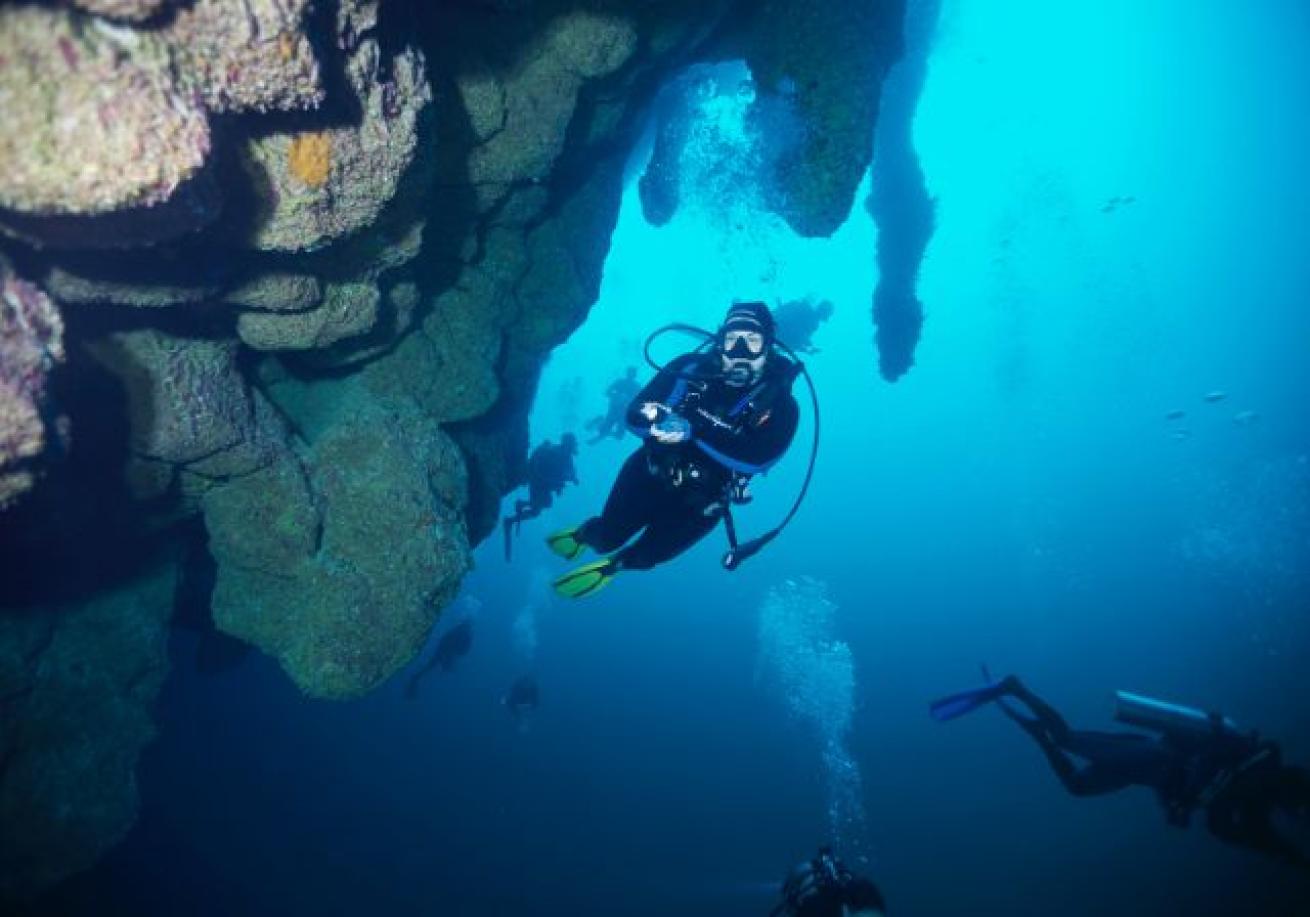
pixel 798 320
pixel 451 648
pixel 522 698
pixel 1195 760
pixel 550 468
pixel 619 394
pixel 708 421
pixel 824 887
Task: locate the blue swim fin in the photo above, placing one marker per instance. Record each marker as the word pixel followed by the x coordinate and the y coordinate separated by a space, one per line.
pixel 957 705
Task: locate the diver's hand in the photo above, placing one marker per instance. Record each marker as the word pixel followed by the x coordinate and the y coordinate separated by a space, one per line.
pixel 674 428
pixel 652 410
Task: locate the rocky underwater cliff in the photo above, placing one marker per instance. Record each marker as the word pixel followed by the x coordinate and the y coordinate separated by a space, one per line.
pixel 277 277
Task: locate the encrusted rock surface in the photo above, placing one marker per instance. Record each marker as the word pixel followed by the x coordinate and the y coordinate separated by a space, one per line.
pixel 347 310
pixel 190 410
pixel 31 345
pixel 94 124
pixel 833 56
pixel 319 185
pixel 251 55
pixel 340 569
pixel 77 682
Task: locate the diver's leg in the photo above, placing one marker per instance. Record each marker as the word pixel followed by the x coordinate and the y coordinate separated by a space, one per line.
pixel 1078 781
pixel 540 500
pixel 411 686
pixel 1050 718
pixel 675 529
pixel 627 509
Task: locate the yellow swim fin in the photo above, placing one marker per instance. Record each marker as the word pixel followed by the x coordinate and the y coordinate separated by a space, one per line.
pixel 565 543
pixel 587 579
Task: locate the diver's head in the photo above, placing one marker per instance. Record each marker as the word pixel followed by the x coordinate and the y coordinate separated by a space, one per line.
pixel 569 442
pixel 824 310
pixel 744 341
pixel 630 372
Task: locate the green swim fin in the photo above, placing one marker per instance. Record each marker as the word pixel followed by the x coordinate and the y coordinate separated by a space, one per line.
pixel 565 543
pixel 587 579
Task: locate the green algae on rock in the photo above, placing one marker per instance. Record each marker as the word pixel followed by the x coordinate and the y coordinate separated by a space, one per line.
pixel 340 571
pixel 79 681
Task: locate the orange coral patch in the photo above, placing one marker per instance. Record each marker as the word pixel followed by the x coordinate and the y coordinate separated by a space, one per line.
pixel 310 158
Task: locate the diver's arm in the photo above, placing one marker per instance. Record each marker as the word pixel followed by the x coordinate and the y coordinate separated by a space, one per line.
pixel 755 449
pixel 657 391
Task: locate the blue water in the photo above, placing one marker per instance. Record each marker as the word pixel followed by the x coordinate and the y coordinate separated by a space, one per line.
pixel 1018 498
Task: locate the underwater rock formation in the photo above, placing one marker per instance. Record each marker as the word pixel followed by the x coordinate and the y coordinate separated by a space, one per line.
pixel 899 201
pixel 247 56
pixel 317 186
pixel 31 344
pixel 77 682
pixel 831 59
pixel 311 260
pixel 96 125
pixel 340 569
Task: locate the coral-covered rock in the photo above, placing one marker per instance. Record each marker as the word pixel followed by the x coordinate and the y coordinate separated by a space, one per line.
pixel 835 56
pixel 189 409
pixel 348 310
pixel 319 186
pixel 524 116
pixel 77 683
pixel 395 315
pixel 95 125
pixel 448 367
pixel 344 607
pixel 75 288
pixel 251 55
pixel 31 344
pixel 126 10
pixel 277 291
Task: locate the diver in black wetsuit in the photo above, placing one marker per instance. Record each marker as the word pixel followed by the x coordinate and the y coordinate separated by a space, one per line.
pixel 1198 761
pixel 824 887
pixel 619 394
pixel 798 320
pixel 550 468
pixel 708 421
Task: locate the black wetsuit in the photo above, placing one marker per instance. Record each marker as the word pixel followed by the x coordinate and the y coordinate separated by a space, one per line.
pixel 824 887
pixel 619 393
pixel 1238 781
pixel 550 467
pixel 674 494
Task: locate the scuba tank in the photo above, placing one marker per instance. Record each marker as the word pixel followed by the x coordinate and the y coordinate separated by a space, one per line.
pixel 1186 724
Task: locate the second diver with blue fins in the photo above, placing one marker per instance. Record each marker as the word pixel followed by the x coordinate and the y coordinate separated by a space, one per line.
pixel 708 421
pixel 1194 760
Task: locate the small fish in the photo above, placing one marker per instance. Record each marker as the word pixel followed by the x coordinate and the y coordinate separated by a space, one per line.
pixel 1214 397
pixel 1182 434
pixel 1176 414
pixel 1245 418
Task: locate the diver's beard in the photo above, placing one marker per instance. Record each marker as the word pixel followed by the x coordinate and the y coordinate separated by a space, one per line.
pixel 741 372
